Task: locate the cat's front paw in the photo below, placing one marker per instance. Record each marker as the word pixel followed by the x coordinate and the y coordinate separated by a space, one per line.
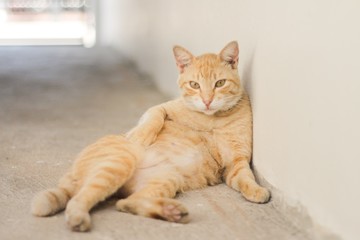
pixel 257 194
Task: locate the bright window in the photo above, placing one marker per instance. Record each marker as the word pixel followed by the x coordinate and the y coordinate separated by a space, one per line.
pixel 47 22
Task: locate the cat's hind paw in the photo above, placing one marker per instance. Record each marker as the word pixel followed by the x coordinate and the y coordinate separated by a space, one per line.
pixel 78 220
pixel 158 208
pixel 174 213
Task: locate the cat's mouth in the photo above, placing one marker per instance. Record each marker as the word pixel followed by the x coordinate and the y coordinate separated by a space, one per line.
pixel 199 107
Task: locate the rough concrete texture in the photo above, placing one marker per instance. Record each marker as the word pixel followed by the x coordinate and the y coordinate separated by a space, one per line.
pixel 54 102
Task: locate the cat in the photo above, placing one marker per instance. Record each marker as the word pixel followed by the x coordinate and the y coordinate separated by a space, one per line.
pixel 202 138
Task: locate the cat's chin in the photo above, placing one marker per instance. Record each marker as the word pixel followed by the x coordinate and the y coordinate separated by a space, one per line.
pixel 209 112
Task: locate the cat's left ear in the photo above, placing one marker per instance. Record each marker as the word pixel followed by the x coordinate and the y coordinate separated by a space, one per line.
pixel 230 54
pixel 183 58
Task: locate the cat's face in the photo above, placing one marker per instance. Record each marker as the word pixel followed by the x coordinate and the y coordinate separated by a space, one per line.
pixel 210 82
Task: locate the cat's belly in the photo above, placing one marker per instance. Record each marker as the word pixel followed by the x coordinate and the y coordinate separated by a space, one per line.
pixel 178 154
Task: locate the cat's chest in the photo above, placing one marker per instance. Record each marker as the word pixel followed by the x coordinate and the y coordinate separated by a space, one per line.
pixel 219 146
pixel 221 134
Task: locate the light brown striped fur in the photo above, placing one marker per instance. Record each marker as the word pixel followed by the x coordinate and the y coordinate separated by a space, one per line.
pixel 203 138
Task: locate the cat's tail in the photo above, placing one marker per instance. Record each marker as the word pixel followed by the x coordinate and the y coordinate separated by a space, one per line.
pixel 49 202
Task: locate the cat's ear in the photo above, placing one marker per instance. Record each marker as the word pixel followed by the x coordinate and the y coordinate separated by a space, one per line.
pixel 230 54
pixel 183 58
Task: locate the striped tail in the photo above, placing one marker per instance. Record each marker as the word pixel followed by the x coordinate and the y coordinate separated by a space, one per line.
pixel 49 202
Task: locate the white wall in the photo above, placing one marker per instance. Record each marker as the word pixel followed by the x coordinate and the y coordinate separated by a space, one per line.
pixel 300 61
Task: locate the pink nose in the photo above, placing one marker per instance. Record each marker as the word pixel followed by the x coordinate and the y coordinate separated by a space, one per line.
pixel 207 103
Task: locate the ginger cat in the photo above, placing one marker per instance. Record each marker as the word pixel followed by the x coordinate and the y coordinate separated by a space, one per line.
pixel 200 139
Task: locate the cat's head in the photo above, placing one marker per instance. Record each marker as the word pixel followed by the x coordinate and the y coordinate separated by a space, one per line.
pixel 209 83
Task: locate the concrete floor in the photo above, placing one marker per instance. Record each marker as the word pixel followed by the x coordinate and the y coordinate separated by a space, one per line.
pixel 54 102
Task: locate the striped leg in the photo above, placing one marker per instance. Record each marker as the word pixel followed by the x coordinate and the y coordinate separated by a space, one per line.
pixel 97 189
pixel 241 178
pixel 112 162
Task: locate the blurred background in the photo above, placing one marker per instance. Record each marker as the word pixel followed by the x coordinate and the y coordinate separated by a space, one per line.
pixel 299 61
pixel 47 22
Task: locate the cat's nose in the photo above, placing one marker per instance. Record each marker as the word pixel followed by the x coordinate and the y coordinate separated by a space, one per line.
pixel 207 103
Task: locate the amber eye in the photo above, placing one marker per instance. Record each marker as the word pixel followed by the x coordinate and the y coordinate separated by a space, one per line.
pixel 220 83
pixel 194 85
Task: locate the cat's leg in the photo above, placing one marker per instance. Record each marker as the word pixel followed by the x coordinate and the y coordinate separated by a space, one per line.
pixel 148 127
pixel 155 201
pixel 96 189
pixel 51 201
pixel 241 178
pixel 113 164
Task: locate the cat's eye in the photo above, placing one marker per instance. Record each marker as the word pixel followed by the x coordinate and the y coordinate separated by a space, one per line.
pixel 220 83
pixel 194 85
